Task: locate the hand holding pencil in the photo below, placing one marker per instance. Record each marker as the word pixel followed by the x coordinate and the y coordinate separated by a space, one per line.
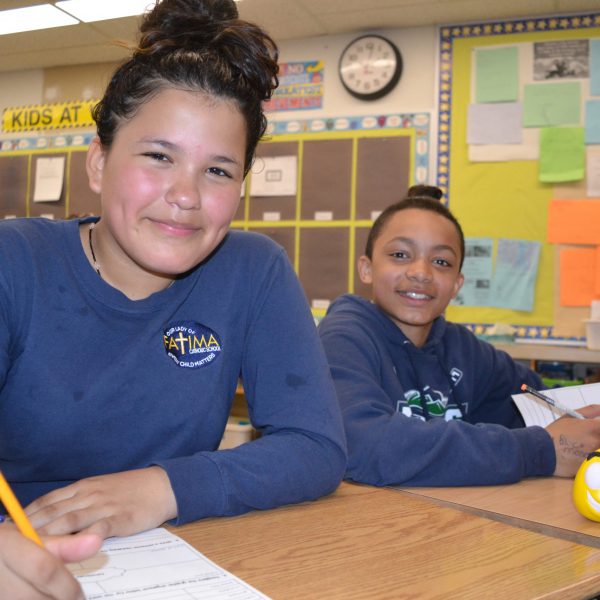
pixel 551 402
pixel 31 570
pixel 573 439
pixel 16 512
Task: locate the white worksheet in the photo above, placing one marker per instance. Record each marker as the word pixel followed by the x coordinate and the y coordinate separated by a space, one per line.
pixel 537 412
pixel 157 565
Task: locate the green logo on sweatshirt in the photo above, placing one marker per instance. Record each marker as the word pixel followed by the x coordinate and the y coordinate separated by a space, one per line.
pixel 436 403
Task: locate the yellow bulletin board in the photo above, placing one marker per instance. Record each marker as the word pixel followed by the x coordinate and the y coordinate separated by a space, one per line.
pixel 504 199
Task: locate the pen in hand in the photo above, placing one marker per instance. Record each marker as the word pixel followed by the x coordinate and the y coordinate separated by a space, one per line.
pixel 552 402
pixel 16 512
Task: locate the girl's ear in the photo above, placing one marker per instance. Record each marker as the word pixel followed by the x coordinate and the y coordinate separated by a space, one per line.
pixel 94 165
pixel 365 270
pixel 458 284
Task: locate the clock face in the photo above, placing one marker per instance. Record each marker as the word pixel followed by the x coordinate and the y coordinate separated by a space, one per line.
pixel 370 67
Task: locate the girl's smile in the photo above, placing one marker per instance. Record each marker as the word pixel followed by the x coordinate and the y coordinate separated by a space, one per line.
pixel 169 184
pixel 414 270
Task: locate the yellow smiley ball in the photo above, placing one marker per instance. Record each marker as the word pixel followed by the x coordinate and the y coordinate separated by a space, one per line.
pixel 586 487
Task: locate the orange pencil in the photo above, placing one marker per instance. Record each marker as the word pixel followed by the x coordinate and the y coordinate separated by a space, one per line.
pixel 16 512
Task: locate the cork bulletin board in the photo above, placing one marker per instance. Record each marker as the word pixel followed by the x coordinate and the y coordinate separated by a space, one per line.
pixel 505 198
pixel 348 170
pixel 17 176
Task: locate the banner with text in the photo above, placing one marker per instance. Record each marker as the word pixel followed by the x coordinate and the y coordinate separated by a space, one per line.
pixel 63 115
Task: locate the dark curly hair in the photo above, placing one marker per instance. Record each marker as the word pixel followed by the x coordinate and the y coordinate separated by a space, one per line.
pixel 197 45
pixel 424 197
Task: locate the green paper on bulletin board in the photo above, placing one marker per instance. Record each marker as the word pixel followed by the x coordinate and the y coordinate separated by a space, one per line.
pixel 497 75
pixel 562 154
pixel 548 104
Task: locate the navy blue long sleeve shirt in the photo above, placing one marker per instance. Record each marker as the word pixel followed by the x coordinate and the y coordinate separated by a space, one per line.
pixel 92 382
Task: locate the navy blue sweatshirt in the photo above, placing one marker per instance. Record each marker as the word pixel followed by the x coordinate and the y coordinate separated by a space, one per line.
pixel 439 415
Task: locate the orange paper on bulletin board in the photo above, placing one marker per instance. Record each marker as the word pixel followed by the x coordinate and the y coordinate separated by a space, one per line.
pixel 574 222
pixel 597 274
pixel 569 321
pixel 578 276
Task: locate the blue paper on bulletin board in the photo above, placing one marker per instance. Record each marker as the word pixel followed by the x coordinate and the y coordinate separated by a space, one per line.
pixel 595 67
pixel 478 269
pixel 515 274
pixel 495 123
pixel 592 122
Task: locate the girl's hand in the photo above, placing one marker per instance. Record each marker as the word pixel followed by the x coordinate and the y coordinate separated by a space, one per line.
pixel 29 571
pixel 118 504
pixel 574 439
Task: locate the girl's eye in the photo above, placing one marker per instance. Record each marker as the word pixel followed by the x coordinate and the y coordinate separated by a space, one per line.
pixel 399 254
pixel 442 262
pixel 158 156
pixel 219 172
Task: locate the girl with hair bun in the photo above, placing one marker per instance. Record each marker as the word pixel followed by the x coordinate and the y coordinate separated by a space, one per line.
pixel 424 401
pixel 123 337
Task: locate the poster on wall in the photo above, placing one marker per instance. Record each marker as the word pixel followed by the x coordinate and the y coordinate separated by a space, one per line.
pixel 49 179
pixel 274 176
pixel 300 87
pixel 561 59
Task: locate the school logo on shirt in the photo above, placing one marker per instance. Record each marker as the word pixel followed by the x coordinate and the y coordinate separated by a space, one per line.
pixel 455 375
pixel 437 405
pixel 191 345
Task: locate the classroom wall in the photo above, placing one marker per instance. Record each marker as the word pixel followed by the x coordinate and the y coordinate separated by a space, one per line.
pixel 414 93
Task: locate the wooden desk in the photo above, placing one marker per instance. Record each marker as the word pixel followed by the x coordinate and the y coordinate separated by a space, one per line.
pixel 372 543
pixel 548 352
pixel 540 504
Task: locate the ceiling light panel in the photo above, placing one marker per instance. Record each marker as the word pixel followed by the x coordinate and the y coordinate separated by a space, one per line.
pixel 32 18
pixel 100 10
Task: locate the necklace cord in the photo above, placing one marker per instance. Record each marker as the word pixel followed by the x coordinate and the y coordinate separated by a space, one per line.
pixel 96 267
pixel 92 225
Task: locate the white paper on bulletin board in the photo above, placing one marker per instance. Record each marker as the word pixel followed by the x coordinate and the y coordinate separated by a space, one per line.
pixel 593 171
pixel 274 176
pixel 49 179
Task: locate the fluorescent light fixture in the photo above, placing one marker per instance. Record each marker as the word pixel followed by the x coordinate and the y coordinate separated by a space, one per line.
pixel 100 10
pixel 32 18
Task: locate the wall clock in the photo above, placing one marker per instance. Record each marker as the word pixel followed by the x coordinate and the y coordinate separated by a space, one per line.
pixel 370 67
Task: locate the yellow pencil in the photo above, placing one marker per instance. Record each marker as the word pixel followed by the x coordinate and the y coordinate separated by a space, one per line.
pixel 16 512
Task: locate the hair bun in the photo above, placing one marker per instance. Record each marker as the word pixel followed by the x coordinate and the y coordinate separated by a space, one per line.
pixel 429 191
pixel 184 23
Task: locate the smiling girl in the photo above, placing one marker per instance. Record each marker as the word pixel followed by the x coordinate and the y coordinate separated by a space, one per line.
pixel 123 337
pixel 424 401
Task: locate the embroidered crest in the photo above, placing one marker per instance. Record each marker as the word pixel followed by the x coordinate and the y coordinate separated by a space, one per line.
pixel 191 345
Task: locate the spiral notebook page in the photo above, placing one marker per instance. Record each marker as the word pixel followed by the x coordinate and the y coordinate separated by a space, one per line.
pixel 537 412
